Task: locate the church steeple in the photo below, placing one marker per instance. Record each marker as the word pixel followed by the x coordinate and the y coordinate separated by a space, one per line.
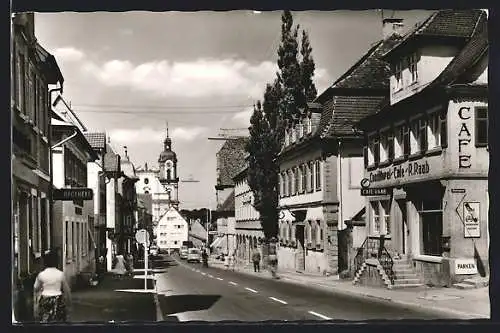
pixel 168 170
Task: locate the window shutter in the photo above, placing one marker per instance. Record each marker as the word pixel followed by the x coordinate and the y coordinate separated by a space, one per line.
pixel 390 143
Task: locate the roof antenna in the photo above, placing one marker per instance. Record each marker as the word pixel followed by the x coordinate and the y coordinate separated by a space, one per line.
pixel 125 150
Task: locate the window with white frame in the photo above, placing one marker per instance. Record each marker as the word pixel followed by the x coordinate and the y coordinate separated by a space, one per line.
pixel 317 173
pixel 412 66
pixel 385 211
pixel 310 177
pixel 398 141
pixel 296 179
pixel 304 177
pixel 384 145
pixel 290 183
pixel 287 138
pixel 434 130
pixel 375 217
pixel 373 149
pixel 481 114
pixel 299 179
pixel 301 129
pixel 309 125
pixel 293 136
pixel 286 191
pixel 398 76
pixel 313 232
pixel 280 185
pixel 418 135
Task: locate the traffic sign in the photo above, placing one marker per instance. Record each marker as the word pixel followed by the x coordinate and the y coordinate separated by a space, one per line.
pixel 142 236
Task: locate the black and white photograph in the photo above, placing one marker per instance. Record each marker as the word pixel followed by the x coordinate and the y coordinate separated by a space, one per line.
pixel 249 166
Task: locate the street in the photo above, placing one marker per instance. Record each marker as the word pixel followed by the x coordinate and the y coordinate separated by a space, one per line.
pixel 190 292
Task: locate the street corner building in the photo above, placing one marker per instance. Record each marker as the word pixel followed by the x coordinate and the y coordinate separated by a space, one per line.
pixel 426 157
pixel 321 167
pixel 33 69
pixel 172 230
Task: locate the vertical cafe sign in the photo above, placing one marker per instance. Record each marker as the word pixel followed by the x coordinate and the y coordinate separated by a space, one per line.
pixel 464 138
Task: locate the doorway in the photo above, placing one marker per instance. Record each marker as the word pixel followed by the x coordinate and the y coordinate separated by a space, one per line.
pixel 405 231
pixel 301 254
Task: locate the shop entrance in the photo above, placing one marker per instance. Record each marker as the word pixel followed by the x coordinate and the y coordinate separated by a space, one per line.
pixel 405 231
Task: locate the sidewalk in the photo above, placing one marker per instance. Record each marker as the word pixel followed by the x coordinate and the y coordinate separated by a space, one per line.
pixel 451 302
pixel 114 300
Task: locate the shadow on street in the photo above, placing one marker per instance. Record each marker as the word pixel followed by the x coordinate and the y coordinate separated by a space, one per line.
pixel 184 303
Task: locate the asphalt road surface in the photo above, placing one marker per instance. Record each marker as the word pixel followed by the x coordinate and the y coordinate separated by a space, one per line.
pixel 190 292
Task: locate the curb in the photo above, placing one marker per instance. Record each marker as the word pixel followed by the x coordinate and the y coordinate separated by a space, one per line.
pixel 159 313
pixel 334 289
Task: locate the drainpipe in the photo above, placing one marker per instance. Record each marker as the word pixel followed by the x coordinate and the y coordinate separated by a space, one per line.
pixel 51 166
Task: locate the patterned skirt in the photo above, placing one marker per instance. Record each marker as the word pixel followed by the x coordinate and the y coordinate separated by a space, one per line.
pixel 51 309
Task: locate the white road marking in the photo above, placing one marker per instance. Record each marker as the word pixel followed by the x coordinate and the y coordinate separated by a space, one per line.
pixel 210 276
pixel 319 315
pixel 233 283
pixel 252 290
pixel 203 273
pixel 221 279
pixel 278 300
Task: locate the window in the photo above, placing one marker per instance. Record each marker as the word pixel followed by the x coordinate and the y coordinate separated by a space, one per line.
pixel 398 76
pixel 309 125
pixel 384 146
pixel 317 172
pixel 146 181
pixel 385 205
pixel 373 150
pixel 280 185
pixel 412 66
pixel 296 178
pixel 301 130
pixel 481 126
pixel 69 249
pixel 290 182
pixel 375 217
pixel 292 135
pixel 20 82
pixel 443 130
pixel 304 177
pixel 311 176
pixel 399 141
pixel 287 138
pixel 418 136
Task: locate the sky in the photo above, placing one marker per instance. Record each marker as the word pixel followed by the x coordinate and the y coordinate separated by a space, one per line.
pixel 131 73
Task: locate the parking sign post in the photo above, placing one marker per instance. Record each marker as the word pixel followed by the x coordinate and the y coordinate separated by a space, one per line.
pixel 142 237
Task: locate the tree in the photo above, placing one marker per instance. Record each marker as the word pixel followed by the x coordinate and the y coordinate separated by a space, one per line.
pixel 307 68
pixel 263 148
pixel 289 74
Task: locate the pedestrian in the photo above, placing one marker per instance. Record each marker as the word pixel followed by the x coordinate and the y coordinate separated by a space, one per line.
pixel 52 295
pixel 120 269
pixel 256 260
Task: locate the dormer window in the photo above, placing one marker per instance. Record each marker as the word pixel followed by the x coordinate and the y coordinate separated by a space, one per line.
pixel 412 66
pixel 398 76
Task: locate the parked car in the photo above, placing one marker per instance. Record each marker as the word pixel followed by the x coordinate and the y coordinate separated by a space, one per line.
pixel 184 252
pixel 194 255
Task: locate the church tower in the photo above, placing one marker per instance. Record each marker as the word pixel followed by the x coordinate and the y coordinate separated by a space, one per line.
pixel 168 172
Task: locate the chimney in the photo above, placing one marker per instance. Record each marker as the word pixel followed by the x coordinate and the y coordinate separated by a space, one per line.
pixel 392 26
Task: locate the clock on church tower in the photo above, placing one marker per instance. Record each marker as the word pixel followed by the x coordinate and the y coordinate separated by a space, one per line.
pixel 168 171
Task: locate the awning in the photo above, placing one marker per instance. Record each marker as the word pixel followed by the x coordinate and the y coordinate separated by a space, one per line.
pixel 314 214
pixel 358 220
pixel 286 216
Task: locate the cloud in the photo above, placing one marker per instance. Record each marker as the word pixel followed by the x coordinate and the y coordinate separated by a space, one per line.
pixel 126 32
pixel 243 117
pixel 200 78
pixel 149 135
pixel 187 133
pixel 68 54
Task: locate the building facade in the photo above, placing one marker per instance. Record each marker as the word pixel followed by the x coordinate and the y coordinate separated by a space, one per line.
pixel 248 228
pixel 33 69
pixel 125 230
pixel 73 220
pixel 172 230
pixel 427 150
pixel 321 167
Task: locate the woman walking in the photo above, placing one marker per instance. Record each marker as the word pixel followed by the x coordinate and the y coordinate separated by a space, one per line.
pixel 52 294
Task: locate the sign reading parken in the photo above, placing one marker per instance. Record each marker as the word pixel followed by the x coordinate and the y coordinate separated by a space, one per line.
pixel 465 266
pixel 69 194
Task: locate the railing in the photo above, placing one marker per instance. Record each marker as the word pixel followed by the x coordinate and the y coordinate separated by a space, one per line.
pixel 371 249
pixel 387 263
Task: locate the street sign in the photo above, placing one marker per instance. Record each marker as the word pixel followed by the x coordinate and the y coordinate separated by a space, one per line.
pixel 69 194
pixel 142 236
pixel 374 191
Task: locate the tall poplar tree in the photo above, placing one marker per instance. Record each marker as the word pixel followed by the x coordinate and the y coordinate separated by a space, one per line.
pixel 307 68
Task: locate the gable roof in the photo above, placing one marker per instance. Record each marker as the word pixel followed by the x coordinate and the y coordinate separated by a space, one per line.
pixel 457 24
pixel 96 140
pixel 343 112
pixel 230 160
pixel 369 72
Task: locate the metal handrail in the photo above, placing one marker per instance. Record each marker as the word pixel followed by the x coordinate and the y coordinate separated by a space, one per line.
pixel 387 264
pixel 371 248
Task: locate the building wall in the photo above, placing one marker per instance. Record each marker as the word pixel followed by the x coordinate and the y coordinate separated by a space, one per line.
pixel 432 61
pixel 172 230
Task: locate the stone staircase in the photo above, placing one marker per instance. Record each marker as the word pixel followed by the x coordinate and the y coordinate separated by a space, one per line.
pixel 404 275
pixel 473 283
